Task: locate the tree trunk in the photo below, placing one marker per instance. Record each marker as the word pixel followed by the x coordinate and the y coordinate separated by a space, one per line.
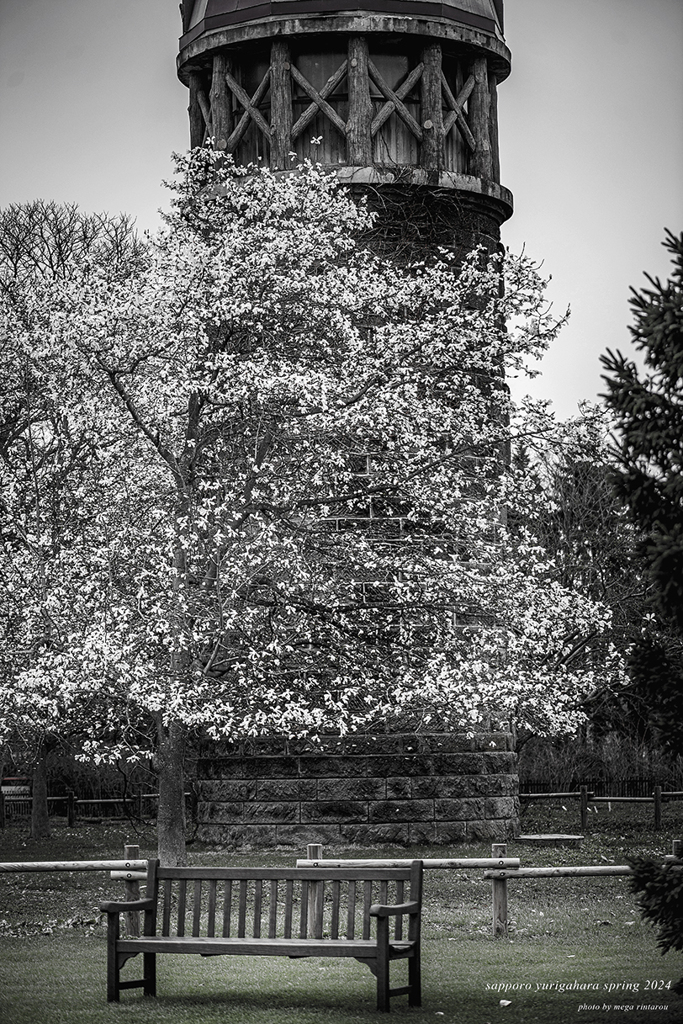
pixel 171 814
pixel 40 822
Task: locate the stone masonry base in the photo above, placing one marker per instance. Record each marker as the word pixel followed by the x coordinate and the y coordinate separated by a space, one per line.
pixel 360 790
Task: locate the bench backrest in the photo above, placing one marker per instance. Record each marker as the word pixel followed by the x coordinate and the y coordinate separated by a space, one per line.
pixel 271 903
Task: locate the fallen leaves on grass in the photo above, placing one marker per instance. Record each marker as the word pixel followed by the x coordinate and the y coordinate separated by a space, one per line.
pixel 24 929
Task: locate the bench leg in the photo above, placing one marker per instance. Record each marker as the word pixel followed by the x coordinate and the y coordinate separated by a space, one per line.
pixel 112 959
pixel 382 964
pixel 415 980
pixel 150 973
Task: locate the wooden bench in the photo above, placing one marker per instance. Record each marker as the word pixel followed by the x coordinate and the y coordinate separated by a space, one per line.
pixel 296 912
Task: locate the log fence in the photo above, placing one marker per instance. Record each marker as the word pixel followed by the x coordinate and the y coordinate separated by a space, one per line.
pixel 131 870
pixel 72 804
pixel 586 797
pixel 498 869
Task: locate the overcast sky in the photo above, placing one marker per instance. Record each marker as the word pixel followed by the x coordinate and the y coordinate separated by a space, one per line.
pixel 591 124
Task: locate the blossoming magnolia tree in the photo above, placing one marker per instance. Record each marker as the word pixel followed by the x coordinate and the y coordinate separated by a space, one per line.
pixel 290 518
pixel 42 461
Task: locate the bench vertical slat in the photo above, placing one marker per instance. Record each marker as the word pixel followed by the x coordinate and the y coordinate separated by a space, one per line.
pixel 351 912
pixel 317 896
pixel 398 931
pixel 227 908
pixel 197 908
pixel 304 910
pixel 367 903
pixel 242 920
pixel 166 920
pixel 182 900
pixel 384 892
pixel 272 916
pixel 211 923
pixel 258 903
pixel 334 922
pixel 289 899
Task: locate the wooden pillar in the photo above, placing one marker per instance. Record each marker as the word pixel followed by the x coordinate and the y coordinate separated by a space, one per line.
pixel 358 135
pixel 280 106
pixel 221 105
pixel 431 149
pixel 493 128
pixel 132 889
pixel 314 851
pixel 479 114
pixel 197 123
pixel 71 808
pixel 499 887
pixel 584 807
pixel 658 807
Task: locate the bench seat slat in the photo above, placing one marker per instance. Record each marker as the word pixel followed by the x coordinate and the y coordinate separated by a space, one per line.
pixel 261 947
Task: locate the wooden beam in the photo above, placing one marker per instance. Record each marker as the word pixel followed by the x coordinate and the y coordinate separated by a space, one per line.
pixel 431 150
pixel 194 110
pixel 479 110
pixel 221 112
pixel 251 111
pixel 358 134
pixel 312 109
pixel 493 127
pixel 456 103
pixel 280 105
pixel 395 100
pixel 319 100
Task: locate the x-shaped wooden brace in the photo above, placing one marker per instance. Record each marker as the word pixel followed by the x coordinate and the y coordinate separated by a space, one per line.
pixel 456 114
pixel 395 100
pixel 319 100
pixel 251 111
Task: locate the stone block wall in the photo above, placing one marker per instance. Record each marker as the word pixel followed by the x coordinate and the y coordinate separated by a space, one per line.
pixel 360 790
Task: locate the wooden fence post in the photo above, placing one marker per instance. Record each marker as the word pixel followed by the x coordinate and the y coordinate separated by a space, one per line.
pixel 314 851
pixel 71 808
pixel 132 889
pixel 2 809
pixel 499 890
pixel 658 807
pixel 584 807
pixel 677 848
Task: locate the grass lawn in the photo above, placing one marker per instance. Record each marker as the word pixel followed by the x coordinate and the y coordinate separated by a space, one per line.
pixel 573 943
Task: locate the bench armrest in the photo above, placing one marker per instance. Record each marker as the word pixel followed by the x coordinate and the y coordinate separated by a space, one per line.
pixel 382 910
pixel 123 907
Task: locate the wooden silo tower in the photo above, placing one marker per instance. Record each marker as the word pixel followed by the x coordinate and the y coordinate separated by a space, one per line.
pixel 397 96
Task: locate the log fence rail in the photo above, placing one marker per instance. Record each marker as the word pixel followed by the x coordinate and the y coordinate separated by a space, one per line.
pixel 588 797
